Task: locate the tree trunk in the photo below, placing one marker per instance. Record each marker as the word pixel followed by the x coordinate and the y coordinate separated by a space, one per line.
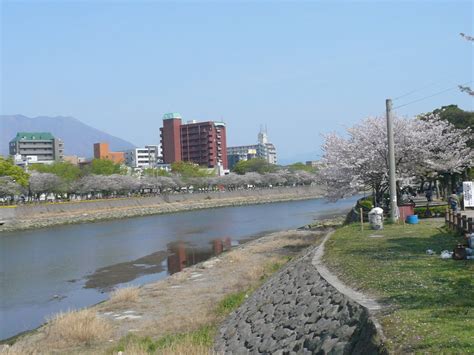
pixel 422 184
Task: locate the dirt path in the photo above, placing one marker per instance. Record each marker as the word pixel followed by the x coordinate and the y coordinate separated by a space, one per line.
pixel 183 301
pixel 370 303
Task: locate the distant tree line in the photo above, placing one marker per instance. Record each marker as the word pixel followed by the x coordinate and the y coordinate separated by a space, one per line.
pixel 104 178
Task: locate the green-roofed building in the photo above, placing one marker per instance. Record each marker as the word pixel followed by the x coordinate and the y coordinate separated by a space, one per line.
pixel 40 147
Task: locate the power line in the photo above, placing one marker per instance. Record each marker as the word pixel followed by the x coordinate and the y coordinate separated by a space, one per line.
pixel 435 94
pixel 415 90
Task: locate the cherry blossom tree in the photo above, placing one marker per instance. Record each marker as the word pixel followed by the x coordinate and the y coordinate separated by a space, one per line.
pixel 100 185
pixel 40 183
pixel 359 161
pixel 274 179
pixel 254 179
pixel 8 187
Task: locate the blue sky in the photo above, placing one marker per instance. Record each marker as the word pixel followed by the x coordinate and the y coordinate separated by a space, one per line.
pixel 301 68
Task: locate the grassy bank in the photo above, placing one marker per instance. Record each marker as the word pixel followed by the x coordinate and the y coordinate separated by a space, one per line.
pixel 200 340
pixel 429 301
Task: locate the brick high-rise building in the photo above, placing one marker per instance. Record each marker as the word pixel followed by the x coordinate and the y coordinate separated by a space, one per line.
pixel 203 143
pixel 170 138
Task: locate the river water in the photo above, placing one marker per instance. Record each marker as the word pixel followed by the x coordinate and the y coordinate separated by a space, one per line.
pixel 56 269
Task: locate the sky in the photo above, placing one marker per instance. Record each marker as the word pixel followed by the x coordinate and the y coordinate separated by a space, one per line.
pixel 303 69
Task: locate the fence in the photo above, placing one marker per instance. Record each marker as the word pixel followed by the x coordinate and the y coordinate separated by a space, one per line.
pixel 459 222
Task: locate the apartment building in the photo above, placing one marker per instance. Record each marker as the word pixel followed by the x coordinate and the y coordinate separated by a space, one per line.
pixel 203 143
pixel 36 147
pixel 263 149
pixel 146 157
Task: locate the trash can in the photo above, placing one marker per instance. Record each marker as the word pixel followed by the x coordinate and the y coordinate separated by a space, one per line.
pixel 406 210
pixel 376 218
pixel 413 219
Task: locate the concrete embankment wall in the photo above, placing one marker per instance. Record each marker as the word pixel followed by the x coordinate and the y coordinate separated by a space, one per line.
pixel 47 214
pixel 299 312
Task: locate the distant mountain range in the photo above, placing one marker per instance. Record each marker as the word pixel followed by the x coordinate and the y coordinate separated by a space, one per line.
pixel 78 137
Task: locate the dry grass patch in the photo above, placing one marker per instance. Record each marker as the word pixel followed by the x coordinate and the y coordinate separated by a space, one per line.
pixel 134 349
pixel 172 323
pixel 255 273
pixel 259 273
pixel 18 350
pixel 237 256
pixel 187 349
pixel 125 295
pixel 74 328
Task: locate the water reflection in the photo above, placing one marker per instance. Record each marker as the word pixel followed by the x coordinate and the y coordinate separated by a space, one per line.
pixel 107 277
pixel 185 254
pixel 178 256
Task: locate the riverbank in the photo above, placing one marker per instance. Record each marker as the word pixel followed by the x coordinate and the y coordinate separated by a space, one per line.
pixel 275 289
pixel 193 301
pixel 46 215
pixel 427 301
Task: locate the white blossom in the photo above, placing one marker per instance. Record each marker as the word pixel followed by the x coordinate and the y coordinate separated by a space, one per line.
pixel 422 147
pixel 8 187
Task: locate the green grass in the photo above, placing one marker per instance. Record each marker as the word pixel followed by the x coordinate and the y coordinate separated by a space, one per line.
pixel 199 338
pixel 429 301
pixel 231 302
pixel 144 342
pixel 202 336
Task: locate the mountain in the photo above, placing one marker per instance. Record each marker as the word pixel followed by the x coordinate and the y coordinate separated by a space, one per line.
pixel 78 137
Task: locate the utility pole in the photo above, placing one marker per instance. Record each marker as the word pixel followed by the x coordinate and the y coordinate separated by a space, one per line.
pixel 391 163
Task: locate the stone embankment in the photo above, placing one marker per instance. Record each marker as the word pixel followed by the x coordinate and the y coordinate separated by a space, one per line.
pixel 49 214
pixel 298 312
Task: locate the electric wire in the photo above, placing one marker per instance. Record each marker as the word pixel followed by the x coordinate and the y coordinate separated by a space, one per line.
pixel 435 94
pixel 415 90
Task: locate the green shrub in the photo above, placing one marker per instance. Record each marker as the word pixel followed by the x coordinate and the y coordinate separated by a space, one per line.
pixel 433 211
pixel 366 205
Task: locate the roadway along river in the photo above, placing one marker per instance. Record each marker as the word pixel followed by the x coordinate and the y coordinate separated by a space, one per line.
pixel 45 271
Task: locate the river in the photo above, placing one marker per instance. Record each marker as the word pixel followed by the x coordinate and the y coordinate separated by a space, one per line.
pixel 46 271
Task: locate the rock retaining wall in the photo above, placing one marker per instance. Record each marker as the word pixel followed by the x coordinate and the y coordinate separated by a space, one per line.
pixel 299 312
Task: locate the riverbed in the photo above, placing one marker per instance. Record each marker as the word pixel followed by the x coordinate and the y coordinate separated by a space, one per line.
pixel 49 270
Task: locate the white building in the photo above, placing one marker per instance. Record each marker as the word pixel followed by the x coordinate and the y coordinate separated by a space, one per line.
pixel 143 158
pixel 271 154
pixel 25 160
pixel 263 149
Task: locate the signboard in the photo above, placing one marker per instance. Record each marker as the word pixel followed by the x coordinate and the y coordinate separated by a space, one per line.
pixel 468 191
